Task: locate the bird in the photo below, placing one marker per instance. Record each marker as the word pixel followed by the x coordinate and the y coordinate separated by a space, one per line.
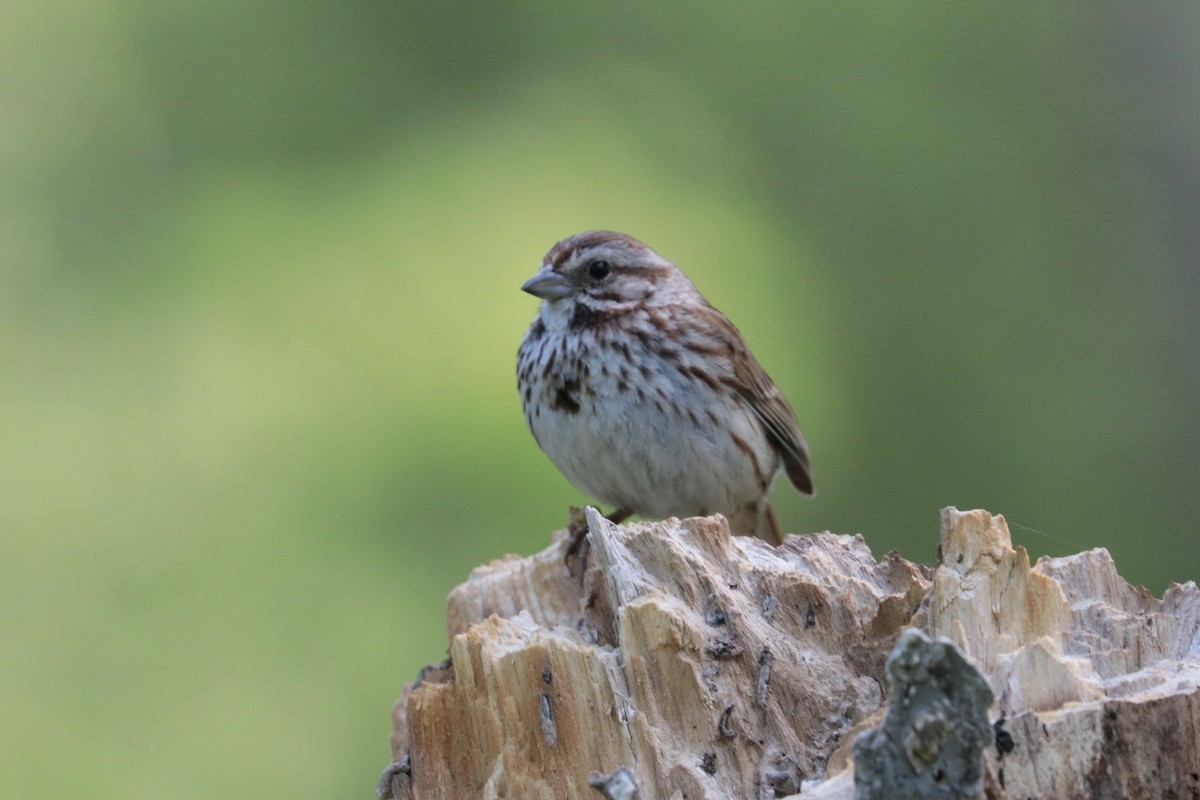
pixel 646 397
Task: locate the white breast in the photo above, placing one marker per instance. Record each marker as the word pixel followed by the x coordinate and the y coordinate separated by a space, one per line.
pixel 639 432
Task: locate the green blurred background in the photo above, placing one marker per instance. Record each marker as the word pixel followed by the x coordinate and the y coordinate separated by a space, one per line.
pixel 259 311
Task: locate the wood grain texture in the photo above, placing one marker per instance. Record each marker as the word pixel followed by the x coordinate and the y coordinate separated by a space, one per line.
pixel 713 666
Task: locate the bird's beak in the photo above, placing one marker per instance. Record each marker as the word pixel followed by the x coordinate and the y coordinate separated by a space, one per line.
pixel 548 285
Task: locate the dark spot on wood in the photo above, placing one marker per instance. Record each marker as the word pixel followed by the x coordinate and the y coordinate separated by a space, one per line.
pixel 723 650
pixel 442 672
pixel 959 560
pixel 708 763
pixel 810 618
pixel 715 616
pixel 1004 740
pixel 765 659
pixel 781 777
pixel 725 723
pixel 546 676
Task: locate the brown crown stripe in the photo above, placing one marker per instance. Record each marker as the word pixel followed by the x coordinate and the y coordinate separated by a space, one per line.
pixel 563 250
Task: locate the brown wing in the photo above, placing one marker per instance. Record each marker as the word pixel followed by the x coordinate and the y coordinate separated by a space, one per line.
pixel 750 380
pixel 777 416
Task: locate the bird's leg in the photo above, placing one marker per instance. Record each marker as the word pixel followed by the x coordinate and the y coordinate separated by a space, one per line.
pixel 578 546
pixel 619 515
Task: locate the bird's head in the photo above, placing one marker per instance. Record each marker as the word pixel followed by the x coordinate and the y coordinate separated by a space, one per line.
pixel 607 272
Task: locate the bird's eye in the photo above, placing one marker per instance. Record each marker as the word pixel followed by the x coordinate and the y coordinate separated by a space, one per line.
pixel 599 270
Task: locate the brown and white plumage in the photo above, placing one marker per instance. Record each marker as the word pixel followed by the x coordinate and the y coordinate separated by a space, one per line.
pixel 645 396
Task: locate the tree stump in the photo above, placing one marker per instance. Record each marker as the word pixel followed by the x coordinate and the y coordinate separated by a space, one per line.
pixel 688 663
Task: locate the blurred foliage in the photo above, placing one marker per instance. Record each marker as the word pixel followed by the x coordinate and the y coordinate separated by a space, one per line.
pixel 259 315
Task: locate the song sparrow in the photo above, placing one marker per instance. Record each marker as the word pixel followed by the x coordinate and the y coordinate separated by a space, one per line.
pixel 645 396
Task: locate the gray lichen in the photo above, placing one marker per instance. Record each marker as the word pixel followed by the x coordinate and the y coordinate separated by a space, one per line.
pixel 933 734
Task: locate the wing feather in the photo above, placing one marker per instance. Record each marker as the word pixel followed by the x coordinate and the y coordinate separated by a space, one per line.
pixel 746 376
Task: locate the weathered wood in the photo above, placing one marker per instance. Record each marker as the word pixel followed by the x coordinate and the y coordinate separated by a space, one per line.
pixel 712 666
pixel 1095 679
